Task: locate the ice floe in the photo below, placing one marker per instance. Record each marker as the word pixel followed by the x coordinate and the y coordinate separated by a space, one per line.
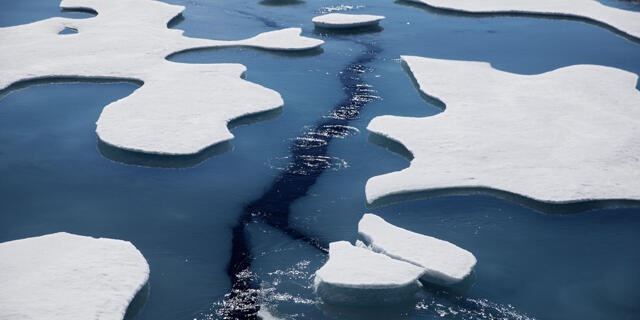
pixel 358 276
pixel 627 22
pixel 566 135
pixel 443 262
pixel 180 108
pixel 65 276
pixel 343 20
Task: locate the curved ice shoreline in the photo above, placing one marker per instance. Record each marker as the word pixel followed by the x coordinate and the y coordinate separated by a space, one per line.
pixel 66 276
pixel 547 137
pixel 627 22
pixel 180 108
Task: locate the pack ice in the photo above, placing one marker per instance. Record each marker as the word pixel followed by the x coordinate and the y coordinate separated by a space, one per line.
pixel 180 109
pixel 358 276
pixel 624 21
pixel 343 20
pixel 567 135
pixel 63 276
pixel 443 262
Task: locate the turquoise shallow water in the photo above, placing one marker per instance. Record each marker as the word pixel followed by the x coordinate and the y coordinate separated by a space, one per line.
pixel 531 264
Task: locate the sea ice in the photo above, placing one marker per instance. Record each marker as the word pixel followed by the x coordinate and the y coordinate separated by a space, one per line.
pixel 181 108
pixel 567 135
pixel 342 20
pixel 65 276
pixel 627 22
pixel 443 262
pixel 358 276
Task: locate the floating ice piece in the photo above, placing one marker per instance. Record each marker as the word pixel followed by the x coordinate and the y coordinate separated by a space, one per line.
pixel 566 135
pixel 180 108
pixel 443 262
pixel 627 22
pixel 342 20
pixel 65 276
pixel 358 276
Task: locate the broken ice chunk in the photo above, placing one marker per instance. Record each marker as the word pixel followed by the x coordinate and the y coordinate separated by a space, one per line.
pixel 443 263
pixel 357 276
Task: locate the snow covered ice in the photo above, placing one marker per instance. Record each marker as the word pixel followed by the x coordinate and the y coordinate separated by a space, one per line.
pixel 443 262
pixel 180 108
pixel 358 276
pixel 385 269
pixel 227 237
pixel 63 276
pixel 343 20
pixel 627 22
pixel 539 136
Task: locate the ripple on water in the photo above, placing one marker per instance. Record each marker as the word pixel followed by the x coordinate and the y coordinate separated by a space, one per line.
pixel 272 292
pixel 468 308
pixel 308 142
pixel 339 8
pixel 319 136
pixel 307 164
pixel 237 302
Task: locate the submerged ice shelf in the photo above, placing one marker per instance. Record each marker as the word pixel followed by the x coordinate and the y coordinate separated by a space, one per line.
pixel 65 276
pixel 627 22
pixel 180 108
pixel 567 135
pixel 343 20
pixel 443 262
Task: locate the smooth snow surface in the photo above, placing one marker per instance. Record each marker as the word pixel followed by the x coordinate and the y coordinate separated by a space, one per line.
pixel 342 20
pixel 566 135
pixel 65 276
pixel 444 263
pixel 358 276
pixel 181 108
pixel 627 22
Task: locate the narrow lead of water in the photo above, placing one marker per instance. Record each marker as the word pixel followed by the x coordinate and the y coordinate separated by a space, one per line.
pixel 308 161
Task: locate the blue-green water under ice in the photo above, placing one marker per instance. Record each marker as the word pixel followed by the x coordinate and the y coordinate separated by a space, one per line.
pixel 530 264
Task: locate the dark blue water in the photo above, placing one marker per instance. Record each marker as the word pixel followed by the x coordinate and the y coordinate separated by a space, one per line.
pixel 530 264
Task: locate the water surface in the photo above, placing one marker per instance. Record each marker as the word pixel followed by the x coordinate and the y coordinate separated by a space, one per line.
pixel 531 265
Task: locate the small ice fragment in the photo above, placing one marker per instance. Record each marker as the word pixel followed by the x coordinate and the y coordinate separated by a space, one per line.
pixel 342 20
pixel 357 276
pixel 443 262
